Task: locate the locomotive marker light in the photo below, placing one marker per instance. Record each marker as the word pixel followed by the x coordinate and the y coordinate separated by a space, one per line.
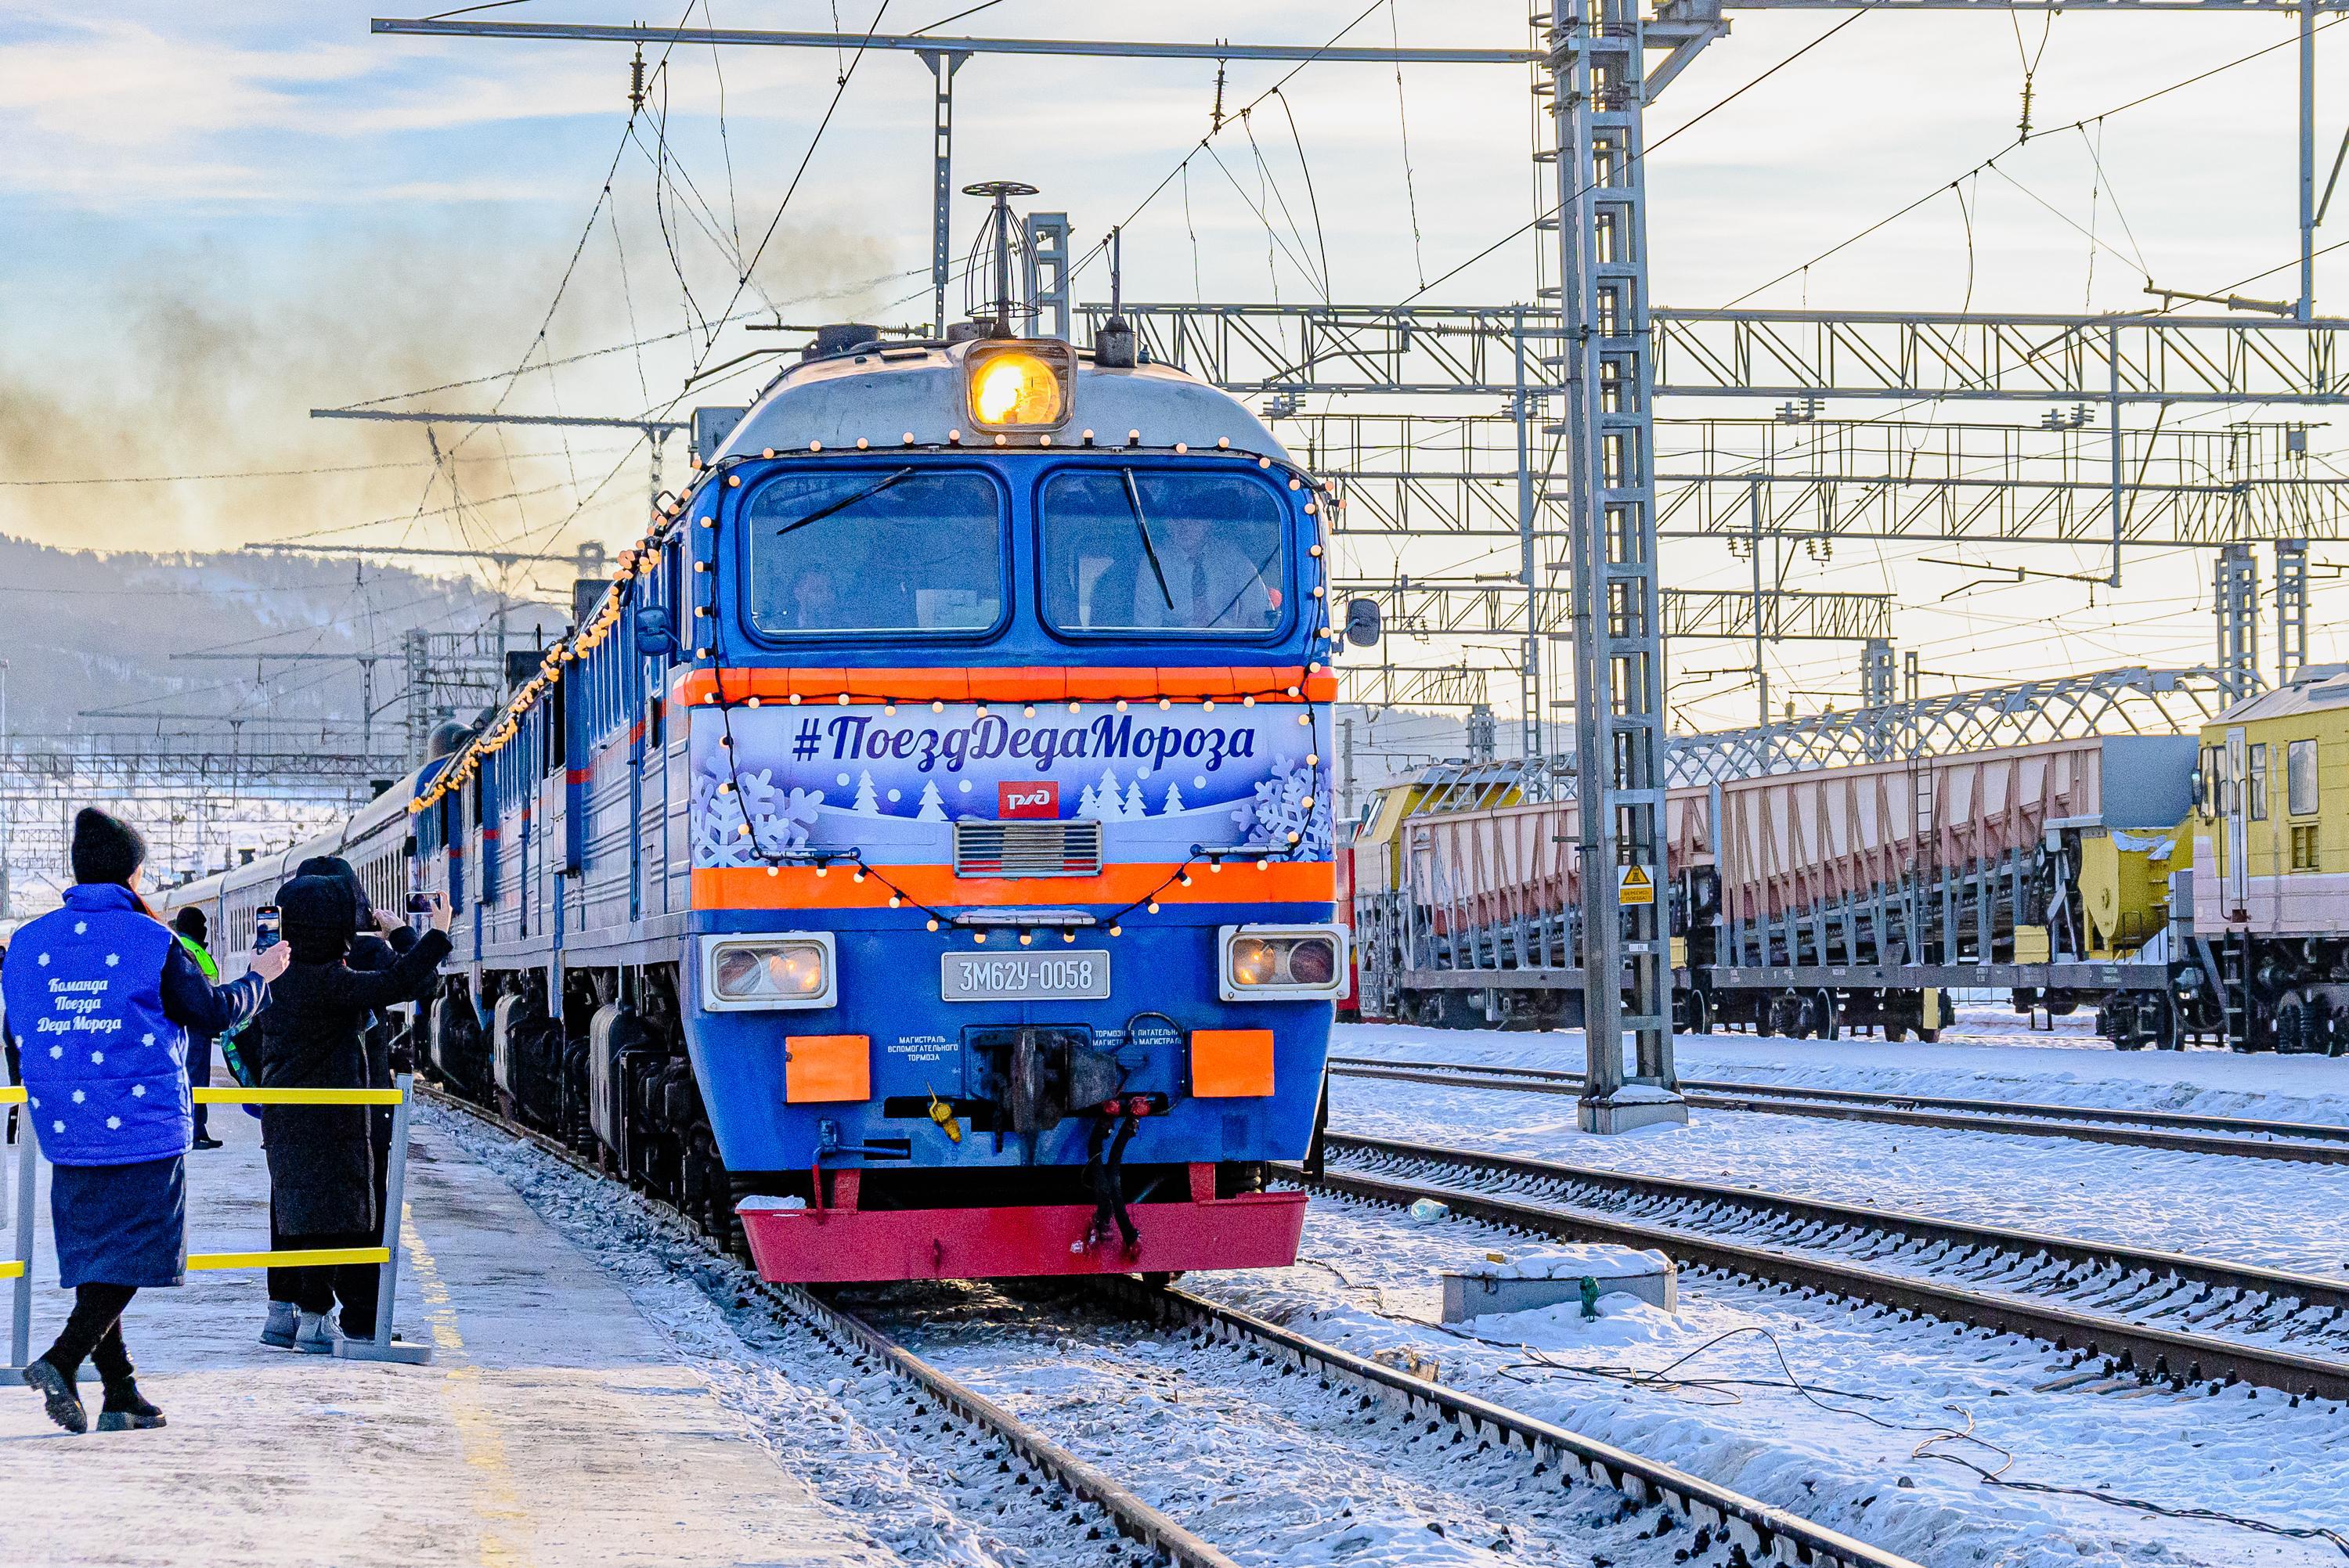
pixel 1024 386
pixel 1280 961
pixel 771 971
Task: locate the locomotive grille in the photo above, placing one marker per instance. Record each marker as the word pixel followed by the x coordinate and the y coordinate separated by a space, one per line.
pixel 1028 849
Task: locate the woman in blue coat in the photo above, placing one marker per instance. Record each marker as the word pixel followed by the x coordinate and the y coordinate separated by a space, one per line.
pixel 101 999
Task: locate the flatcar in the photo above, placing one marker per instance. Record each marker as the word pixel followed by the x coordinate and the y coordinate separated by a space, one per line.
pixel 920 854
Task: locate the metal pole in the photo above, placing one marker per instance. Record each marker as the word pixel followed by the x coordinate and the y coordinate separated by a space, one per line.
pixel 20 1338
pixel 395 1209
pixel 943 63
pixel 2112 359
pixel 1529 678
pixel 1761 675
pixel 2307 305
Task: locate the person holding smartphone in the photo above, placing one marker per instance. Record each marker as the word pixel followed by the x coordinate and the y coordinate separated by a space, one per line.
pixel 322 1190
pixel 101 998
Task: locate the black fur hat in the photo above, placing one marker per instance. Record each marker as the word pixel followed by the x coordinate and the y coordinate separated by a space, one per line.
pixel 319 914
pixel 106 848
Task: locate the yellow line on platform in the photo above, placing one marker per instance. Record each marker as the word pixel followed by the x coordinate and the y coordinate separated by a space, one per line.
pixel 313 1257
pixel 296 1096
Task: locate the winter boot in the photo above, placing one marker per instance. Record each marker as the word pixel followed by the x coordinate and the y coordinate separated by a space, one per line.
pixel 284 1318
pixel 317 1335
pixel 126 1410
pixel 58 1392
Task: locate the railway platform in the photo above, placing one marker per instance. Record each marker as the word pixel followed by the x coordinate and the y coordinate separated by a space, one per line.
pixel 554 1424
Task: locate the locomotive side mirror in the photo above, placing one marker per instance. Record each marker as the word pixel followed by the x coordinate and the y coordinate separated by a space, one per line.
pixel 1363 623
pixel 655 636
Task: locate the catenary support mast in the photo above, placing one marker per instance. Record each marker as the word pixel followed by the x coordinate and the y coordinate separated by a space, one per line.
pixel 1597 91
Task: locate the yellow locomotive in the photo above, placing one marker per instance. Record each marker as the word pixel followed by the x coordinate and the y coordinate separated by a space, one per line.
pixel 2269 961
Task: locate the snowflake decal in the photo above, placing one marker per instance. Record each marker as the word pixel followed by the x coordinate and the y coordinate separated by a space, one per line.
pixel 112 959
pixel 139 1092
pixel 81 928
pixel 1295 798
pixel 113 1124
pixel 780 820
pixel 78 1097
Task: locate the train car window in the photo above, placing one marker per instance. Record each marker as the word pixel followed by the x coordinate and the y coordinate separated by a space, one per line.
pixel 2259 781
pixel 1130 550
pixel 2300 776
pixel 875 550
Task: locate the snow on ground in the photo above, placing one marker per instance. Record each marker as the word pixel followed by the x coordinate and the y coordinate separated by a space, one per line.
pixel 928 1489
pixel 557 1424
pixel 1990 1053
pixel 1271 1469
pixel 2267 1211
pixel 1857 1451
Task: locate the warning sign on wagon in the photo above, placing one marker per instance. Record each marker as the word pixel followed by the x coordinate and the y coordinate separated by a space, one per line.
pixel 1633 885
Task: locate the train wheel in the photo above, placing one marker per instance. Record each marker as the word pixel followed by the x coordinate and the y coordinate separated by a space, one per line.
pixel 1895 1032
pixel 1822 1009
pixel 1929 1037
pixel 1700 1008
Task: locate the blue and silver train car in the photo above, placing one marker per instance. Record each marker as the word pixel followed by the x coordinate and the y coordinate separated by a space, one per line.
pixel 921 854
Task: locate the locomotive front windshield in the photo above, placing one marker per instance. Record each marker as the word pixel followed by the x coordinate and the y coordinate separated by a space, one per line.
pixel 877 550
pixel 1128 550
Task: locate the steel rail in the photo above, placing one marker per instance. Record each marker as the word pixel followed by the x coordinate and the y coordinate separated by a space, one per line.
pixel 1757 1526
pixel 1134 1519
pixel 2079 1252
pixel 1761 1529
pixel 2307 1142
pixel 2147 1350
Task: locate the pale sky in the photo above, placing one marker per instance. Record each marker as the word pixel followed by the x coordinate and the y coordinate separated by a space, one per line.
pixel 220 216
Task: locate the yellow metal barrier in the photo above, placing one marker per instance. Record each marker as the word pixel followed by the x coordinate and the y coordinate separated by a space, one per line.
pixel 296 1096
pixel 381 1347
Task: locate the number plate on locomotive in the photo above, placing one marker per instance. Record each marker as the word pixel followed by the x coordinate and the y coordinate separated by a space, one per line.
pixel 1063 977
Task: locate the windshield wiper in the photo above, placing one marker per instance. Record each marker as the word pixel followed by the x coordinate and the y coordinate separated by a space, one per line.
pixel 867 494
pixel 1133 504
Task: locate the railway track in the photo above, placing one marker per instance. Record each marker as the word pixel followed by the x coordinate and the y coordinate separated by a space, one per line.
pixel 2147 1313
pixel 1736 1524
pixel 1165 1539
pixel 2312 1142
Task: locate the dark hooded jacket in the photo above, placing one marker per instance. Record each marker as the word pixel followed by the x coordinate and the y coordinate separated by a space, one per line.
pixel 321 1172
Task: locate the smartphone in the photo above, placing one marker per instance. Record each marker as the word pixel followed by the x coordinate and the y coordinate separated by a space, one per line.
pixel 266 926
pixel 420 904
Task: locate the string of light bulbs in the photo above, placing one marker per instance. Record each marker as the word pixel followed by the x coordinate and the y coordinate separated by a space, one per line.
pixel 667 526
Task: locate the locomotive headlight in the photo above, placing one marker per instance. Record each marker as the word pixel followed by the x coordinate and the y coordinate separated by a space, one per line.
pixel 1019 386
pixel 1283 961
pixel 767 972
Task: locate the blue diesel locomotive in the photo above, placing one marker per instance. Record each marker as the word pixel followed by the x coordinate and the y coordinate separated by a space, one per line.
pixel 921 854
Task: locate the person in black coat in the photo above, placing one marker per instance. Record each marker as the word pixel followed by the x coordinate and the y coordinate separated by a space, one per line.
pixel 375 942
pixel 321 1160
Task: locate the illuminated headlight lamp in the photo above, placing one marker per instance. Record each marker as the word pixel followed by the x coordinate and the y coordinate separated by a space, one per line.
pixel 1023 386
pixel 1293 960
pixel 767 972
